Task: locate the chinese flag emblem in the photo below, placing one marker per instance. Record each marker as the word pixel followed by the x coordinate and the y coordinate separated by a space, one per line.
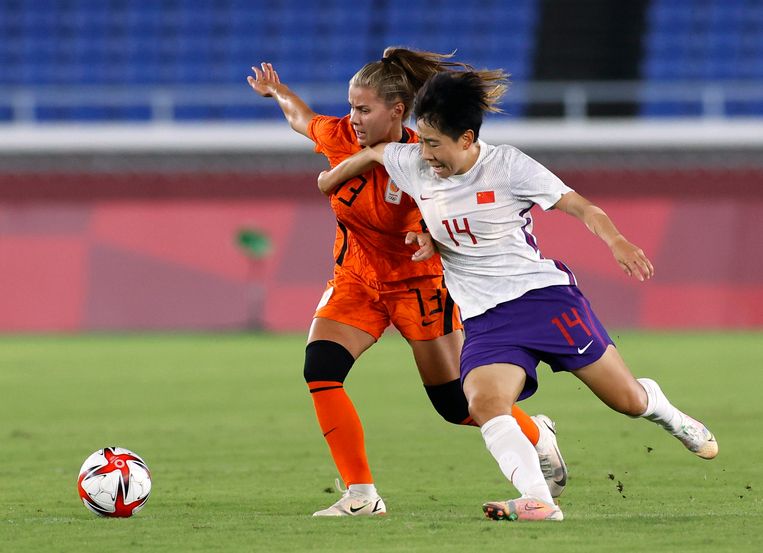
pixel 486 197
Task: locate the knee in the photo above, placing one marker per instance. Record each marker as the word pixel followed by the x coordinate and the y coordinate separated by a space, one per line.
pixel 449 401
pixel 633 401
pixel 487 404
pixel 326 360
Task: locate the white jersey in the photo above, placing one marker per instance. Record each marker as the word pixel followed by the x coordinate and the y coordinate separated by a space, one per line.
pixel 482 224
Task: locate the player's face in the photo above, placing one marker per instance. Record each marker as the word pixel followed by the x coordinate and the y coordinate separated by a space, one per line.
pixel 372 120
pixel 444 155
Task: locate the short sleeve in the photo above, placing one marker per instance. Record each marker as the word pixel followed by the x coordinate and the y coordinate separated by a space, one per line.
pixel 330 137
pixel 531 181
pixel 401 163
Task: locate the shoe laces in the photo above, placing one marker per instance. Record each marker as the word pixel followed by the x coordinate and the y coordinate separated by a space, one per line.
pixel 545 459
pixel 340 489
pixel 346 492
pixel 545 466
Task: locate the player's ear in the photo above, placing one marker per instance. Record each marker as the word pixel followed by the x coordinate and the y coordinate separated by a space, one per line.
pixel 398 109
pixel 467 139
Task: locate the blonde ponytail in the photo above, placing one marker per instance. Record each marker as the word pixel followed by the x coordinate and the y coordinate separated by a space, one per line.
pixel 401 72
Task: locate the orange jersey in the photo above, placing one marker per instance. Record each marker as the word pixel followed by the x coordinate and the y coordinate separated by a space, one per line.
pixel 373 215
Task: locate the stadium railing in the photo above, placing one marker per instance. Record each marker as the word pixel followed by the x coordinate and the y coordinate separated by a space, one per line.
pixel 22 105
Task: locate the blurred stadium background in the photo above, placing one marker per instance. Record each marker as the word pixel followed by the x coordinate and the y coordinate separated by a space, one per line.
pixel 143 185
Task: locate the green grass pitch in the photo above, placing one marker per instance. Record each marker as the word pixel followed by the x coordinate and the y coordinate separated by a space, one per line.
pixel 227 428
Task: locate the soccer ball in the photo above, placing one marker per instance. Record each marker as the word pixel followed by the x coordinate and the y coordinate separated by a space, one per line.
pixel 114 482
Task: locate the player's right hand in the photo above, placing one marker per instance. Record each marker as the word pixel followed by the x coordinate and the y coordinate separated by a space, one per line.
pixel 265 80
pixel 425 243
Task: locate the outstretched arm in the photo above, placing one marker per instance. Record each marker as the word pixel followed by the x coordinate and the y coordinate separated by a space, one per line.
pixel 266 83
pixel 630 257
pixel 355 165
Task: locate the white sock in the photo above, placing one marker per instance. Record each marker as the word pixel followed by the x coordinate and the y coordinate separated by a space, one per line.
pixel 658 408
pixel 365 490
pixel 516 456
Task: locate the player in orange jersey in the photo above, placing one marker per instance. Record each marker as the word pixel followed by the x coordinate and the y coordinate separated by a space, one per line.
pixel 375 282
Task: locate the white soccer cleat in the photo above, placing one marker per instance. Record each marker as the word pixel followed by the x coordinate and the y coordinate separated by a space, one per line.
pixel 551 462
pixel 353 504
pixel 524 508
pixel 697 438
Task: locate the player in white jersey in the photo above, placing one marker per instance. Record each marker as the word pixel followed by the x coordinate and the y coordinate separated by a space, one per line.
pixel 518 307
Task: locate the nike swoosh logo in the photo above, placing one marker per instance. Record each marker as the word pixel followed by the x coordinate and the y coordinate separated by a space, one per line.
pixel 533 507
pixel 562 482
pixel 427 323
pixel 356 509
pixel 376 506
pixel 550 428
pixel 584 348
pixel 421 197
pixel 329 432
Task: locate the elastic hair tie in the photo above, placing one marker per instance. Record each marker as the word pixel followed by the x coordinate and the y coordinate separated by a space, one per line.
pixel 386 60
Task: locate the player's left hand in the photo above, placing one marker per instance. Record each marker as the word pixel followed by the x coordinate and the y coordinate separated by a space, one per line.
pixel 424 241
pixel 265 80
pixel 632 259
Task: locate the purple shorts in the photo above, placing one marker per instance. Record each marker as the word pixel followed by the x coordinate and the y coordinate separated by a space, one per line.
pixel 555 325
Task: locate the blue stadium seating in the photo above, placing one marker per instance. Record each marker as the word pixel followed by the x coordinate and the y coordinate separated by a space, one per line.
pixel 193 42
pixel 186 43
pixel 702 40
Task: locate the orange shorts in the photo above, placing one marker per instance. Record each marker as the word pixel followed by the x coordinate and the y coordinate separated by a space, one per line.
pixel 420 308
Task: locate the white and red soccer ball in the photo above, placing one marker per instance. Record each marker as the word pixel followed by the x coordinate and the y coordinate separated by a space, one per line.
pixel 114 482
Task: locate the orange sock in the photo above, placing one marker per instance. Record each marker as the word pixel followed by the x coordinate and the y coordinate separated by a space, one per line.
pixel 341 427
pixel 468 421
pixel 527 425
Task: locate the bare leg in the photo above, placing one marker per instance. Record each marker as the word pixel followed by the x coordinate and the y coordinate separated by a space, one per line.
pixel 492 390
pixel 353 339
pixel 612 382
pixel 438 359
